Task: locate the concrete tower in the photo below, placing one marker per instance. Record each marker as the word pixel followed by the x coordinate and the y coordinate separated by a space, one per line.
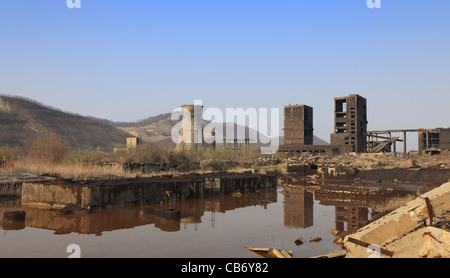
pixel 191 133
pixel 350 123
pixel 298 125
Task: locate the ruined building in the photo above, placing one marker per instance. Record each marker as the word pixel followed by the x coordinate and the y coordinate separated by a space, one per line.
pixel 193 135
pixel 132 143
pixel 350 134
pixel 191 132
pixel 430 140
pixel 434 139
pixel 350 123
pixel 298 125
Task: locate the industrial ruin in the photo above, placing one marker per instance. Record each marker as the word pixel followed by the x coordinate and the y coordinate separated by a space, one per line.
pixel 351 133
pixel 192 135
pixel 132 143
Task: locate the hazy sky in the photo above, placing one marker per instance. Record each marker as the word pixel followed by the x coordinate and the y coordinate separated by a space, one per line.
pixel 129 60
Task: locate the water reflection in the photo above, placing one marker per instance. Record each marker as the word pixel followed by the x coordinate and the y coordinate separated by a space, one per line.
pixel 352 211
pixel 298 208
pixel 169 217
pixel 10 205
pixel 353 205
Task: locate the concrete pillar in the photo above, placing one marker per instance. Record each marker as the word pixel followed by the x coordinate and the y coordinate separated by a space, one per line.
pixel 404 142
pixel 191 134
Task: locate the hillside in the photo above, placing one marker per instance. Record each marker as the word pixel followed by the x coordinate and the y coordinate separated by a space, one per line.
pixel 21 120
pixel 156 130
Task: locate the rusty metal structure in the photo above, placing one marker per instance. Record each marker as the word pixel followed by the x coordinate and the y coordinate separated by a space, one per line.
pixel 430 140
pixel 384 141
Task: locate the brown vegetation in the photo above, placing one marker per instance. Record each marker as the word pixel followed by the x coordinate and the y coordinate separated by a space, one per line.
pixel 51 154
pixel 393 204
pixel 48 149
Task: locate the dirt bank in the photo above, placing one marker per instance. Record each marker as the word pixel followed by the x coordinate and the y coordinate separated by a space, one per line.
pixel 413 175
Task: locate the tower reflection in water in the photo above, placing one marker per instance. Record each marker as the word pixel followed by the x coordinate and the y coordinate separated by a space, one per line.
pixel 170 217
pixel 298 208
pixel 352 211
pixel 352 205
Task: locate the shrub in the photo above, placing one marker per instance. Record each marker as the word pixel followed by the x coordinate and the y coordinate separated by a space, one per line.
pixel 48 148
pixel 8 153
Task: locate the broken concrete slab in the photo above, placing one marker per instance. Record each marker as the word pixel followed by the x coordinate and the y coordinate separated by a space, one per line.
pixel 72 209
pixel 426 242
pixel 400 222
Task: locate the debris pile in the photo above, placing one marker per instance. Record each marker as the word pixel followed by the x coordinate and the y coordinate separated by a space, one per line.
pixel 418 230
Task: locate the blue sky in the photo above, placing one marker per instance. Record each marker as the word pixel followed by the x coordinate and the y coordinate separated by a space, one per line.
pixel 129 60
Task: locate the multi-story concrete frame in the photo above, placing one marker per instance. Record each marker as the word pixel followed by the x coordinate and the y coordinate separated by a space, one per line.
pixel 350 123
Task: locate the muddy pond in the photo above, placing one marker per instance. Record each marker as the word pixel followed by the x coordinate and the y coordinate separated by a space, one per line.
pixel 216 226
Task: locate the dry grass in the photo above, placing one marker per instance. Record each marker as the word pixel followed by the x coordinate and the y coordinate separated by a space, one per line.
pixel 69 171
pixel 393 204
pixel 78 171
pixel 372 161
pixel 388 160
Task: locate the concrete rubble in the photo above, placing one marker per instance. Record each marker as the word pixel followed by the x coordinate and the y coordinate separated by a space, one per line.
pixel 407 232
pixel 426 242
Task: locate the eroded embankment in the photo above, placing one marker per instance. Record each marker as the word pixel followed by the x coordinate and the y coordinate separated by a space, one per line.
pixel 323 174
pixel 408 175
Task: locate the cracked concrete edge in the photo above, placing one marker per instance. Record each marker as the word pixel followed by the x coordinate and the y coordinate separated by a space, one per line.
pixel 399 222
